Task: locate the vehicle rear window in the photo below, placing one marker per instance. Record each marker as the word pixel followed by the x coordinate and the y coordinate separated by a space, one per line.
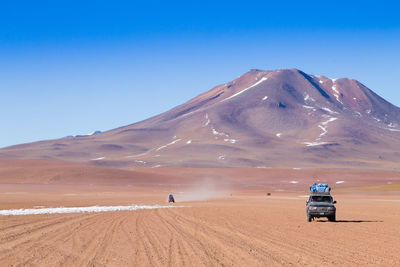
pixel 321 199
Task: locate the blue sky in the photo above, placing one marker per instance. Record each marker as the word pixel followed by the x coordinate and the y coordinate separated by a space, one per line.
pixel 72 67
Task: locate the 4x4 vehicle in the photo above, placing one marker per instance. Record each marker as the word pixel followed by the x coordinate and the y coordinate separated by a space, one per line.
pixel 321 205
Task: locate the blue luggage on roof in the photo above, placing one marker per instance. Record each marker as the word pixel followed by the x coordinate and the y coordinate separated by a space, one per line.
pixel 320 188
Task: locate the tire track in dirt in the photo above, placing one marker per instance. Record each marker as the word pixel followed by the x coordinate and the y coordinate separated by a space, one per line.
pixel 48 244
pixel 222 239
pixel 35 231
pixel 188 242
pixel 44 242
pixel 256 233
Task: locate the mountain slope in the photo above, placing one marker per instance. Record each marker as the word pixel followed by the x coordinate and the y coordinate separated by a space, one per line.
pixel 282 118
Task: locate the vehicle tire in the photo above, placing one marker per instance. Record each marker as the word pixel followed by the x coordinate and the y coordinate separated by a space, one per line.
pixel 308 218
pixel 332 218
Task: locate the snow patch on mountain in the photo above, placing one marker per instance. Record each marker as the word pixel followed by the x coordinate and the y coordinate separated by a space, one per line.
pixel 329 110
pixel 391 129
pixel 328 121
pixel 95 132
pixel 309 107
pixel 215 132
pixel 169 144
pixel 314 143
pixel 324 127
pixel 207 120
pixel 244 90
pixel 307 97
pixel 336 92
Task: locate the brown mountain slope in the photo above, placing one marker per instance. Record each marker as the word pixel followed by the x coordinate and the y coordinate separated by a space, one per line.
pixel 282 118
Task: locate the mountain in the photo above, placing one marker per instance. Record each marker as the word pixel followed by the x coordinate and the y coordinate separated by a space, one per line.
pixel 283 118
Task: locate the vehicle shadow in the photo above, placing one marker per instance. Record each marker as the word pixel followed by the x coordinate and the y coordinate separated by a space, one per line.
pixel 348 221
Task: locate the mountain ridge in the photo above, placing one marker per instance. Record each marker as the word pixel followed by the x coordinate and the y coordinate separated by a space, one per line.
pixel 282 118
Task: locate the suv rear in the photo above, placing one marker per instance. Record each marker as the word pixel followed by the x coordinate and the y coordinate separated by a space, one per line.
pixel 321 205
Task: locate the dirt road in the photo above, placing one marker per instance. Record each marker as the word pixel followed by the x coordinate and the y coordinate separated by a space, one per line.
pixel 240 230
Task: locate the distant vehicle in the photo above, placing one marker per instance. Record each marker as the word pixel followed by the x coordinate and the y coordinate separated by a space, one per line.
pixel 171 198
pixel 321 204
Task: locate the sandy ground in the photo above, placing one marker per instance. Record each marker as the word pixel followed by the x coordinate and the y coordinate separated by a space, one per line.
pixel 227 219
pixel 247 228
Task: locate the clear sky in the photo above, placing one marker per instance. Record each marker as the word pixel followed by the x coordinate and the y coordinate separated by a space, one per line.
pixel 72 67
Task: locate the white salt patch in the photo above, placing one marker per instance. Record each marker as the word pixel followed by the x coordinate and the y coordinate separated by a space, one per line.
pixel 368 111
pixel 278 134
pixel 340 182
pixel 265 98
pixel 156 166
pixel 232 141
pixel 189 142
pixel 221 157
pixel 140 161
pixel 79 209
pixel 296 168
pixel 354 98
pixel 257 83
pixel 390 125
pixel 293 182
pixel 98 158
pixel 321 81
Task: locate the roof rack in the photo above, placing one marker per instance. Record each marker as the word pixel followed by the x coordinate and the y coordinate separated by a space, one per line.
pixel 320 194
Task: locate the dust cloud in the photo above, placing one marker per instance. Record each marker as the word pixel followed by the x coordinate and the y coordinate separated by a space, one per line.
pixel 201 192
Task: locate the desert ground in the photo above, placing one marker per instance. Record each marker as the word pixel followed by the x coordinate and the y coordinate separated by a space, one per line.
pixel 222 217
